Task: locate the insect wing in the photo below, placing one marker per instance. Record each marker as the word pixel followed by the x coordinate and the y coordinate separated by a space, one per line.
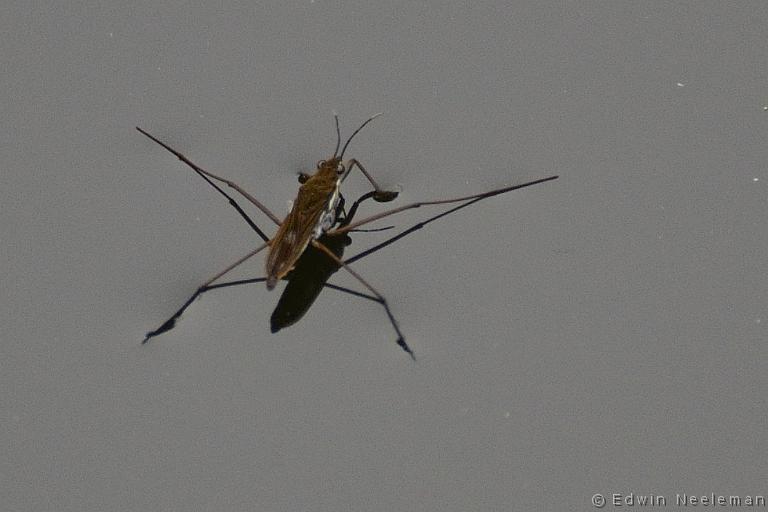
pixel 295 232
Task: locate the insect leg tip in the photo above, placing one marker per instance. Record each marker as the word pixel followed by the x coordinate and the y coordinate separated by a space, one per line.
pixel 385 196
pixel 401 342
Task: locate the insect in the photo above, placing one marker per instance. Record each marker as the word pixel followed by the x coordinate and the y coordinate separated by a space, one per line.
pixel 316 221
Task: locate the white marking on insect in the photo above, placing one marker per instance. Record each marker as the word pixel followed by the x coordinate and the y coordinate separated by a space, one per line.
pixel 328 217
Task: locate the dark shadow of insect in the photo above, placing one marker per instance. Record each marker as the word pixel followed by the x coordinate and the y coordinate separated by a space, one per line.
pixel 309 244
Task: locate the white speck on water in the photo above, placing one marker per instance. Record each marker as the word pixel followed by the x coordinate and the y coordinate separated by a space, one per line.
pixel 680 84
pixel 507 414
pixel 758 320
pixel 111 34
pixel 755 179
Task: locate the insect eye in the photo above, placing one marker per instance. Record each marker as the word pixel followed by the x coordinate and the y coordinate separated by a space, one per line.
pixel 320 163
pixel 341 169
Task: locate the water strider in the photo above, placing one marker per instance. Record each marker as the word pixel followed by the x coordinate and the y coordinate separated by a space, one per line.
pixel 315 222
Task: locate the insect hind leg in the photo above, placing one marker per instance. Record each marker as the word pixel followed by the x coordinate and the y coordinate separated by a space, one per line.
pixel 206 286
pixel 378 296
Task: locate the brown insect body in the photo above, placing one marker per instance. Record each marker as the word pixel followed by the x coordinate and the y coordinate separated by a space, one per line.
pixel 313 212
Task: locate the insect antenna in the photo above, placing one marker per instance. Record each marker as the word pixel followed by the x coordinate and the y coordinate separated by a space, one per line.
pixel 338 135
pixel 358 131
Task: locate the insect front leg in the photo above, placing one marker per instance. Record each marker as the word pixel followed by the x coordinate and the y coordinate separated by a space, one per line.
pixel 340 212
pixel 382 196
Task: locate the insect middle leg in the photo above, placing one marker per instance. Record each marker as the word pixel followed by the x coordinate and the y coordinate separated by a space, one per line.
pixel 472 198
pixel 209 177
